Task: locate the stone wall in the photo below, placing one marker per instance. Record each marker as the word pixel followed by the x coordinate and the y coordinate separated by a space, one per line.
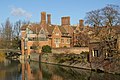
pixel 76 50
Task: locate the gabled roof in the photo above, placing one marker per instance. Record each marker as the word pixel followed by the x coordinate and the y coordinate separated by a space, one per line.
pixel 34 27
pixel 62 29
pixel 50 29
pixel 24 27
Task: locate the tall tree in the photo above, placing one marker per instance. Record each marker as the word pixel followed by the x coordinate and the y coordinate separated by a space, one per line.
pixel 94 18
pixel 109 15
pixel 8 30
pixel 17 27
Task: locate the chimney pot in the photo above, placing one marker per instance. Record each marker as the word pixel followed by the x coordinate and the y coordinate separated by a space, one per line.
pixel 81 22
pixel 43 17
pixel 49 19
pixel 65 20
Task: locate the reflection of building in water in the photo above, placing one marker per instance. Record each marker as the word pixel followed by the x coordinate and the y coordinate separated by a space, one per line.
pixel 33 71
pixel 28 73
pixel 23 71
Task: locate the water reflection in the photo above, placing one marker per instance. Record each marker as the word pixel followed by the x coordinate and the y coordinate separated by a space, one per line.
pixel 10 71
pixel 36 71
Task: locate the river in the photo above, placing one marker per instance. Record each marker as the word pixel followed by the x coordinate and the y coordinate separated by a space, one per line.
pixel 14 70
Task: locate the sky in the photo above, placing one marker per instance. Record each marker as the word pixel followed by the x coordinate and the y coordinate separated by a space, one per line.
pixel 31 9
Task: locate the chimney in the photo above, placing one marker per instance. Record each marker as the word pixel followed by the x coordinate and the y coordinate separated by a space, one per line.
pixel 65 20
pixel 81 22
pixel 49 19
pixel 43 17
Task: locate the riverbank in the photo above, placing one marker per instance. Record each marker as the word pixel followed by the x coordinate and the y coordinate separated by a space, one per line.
pixel 79 61
pixel 72 60
pixel 2 56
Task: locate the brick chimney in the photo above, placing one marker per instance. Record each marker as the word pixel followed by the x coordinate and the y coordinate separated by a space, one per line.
pixel 43 17
pixel 81 22
pixel 65 20
pixel 49 19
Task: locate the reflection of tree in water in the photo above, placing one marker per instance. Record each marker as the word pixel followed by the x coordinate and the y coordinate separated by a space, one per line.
pixel 11 71
pixel 72 73
pixel 104 76
pixel 55 72
pixel 67 73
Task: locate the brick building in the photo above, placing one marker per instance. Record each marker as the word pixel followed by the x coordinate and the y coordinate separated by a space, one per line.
pixel 106 44
pixel 36 35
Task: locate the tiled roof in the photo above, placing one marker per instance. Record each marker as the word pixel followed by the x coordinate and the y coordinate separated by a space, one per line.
pixel 74 27
pixel 62 29
pixel 35 27
pixel 50 29
pixel 24 27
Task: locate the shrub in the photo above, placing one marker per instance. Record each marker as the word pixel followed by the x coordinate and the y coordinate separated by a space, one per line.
pixel 46 49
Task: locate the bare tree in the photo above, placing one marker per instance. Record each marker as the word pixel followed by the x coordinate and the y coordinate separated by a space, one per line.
pixel 94 18
pixel 110 14
pixel 8 30
pixel 17 27
pixel 6 34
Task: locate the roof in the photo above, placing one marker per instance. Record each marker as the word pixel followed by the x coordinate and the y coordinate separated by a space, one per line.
pixel 24 27
pixel 62 29
pixel 37 27
pixel 50 29
pixel 74 27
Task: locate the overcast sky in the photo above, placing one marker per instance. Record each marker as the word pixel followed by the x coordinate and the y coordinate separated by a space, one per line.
pixel 30 9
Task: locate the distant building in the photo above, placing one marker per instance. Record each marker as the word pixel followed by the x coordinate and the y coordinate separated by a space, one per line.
pixel 36 35
pixel 105 45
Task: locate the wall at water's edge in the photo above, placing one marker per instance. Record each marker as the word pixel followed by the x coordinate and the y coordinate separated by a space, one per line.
pixel 106 66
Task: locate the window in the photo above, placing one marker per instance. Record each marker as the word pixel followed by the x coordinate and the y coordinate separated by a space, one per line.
pixel 42 39
pixel 30 32
pixel 68 41
pixel 96 53
pixel 33 47
pixel 42 32
pixel 57 40
pixel 62 40
pixel 56 33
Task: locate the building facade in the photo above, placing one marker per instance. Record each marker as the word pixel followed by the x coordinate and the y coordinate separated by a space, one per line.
pixel 36 35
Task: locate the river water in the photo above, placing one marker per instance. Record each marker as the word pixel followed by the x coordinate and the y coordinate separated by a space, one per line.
pixel 14 70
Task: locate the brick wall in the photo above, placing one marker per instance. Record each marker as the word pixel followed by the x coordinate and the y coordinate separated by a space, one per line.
pixel 76 50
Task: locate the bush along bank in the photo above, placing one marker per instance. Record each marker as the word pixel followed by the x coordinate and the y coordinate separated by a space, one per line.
pixel 81 61
pixel 72 59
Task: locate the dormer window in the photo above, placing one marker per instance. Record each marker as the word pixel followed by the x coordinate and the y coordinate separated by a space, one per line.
pixel 30 32
pixel 42 32
pixel 56 33
pixel 42 35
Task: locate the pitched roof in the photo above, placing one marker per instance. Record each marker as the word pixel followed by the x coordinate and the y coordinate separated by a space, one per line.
pixel 50 29
pixel 24 27
pixel 62 29
pixel 34 27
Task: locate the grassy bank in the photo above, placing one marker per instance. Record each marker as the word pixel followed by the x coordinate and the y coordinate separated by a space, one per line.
pixel 2 56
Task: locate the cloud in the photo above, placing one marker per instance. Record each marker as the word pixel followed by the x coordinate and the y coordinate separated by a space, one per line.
pixel 20 12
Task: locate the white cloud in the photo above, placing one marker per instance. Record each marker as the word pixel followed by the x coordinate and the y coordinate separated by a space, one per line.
pixel 20 12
